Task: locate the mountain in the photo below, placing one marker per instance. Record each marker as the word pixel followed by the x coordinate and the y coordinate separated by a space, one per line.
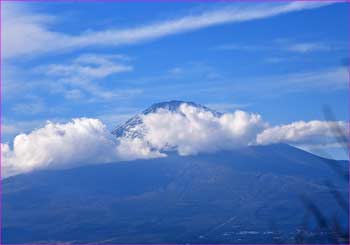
pixel 128 128
pixel 258 194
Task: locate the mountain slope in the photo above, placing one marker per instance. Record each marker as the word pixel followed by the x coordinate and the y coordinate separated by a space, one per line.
pixel 246 195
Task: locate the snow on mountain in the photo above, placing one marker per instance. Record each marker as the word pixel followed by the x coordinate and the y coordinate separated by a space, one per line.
pixel 128 129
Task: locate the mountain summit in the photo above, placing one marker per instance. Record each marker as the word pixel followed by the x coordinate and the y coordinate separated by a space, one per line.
pixel 127 129
pixel 174 105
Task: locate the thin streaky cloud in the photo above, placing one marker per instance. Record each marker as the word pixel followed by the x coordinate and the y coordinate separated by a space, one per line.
pixel 29 34
pixel 277 85
pixel 89 66
pixel 308 47
pixel 80 76
pixel 286 46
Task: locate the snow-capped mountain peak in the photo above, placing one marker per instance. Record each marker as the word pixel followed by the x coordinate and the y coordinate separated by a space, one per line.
pixel 128 128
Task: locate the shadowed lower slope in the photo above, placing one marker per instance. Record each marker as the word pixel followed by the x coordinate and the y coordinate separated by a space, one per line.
pixel 248 195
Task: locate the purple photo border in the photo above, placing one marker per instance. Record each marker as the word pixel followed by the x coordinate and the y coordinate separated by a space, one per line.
pixel 170 1
pixel 0 124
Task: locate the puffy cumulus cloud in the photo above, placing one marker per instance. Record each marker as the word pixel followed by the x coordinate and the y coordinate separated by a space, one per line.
pixel 187 130
pixel 136 148
pixel 303 133
pixel 191 130
pixel 81 141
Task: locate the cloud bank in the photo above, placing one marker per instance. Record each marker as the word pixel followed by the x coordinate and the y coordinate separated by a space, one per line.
pixel 192 130
pixel 81 141
pixel 313 132
pixel 189 130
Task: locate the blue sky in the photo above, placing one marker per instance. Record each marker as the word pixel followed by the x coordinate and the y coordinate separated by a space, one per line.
pixel 112 60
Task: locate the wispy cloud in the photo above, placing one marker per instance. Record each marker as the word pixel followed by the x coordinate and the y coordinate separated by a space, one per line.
pixel 331 79
pixel 54 89
pixel 11 128
pixel 28 33
pixel 89 66
pixel 240 47
pixel 308 47
pixel 79 78
pixel 29 108
pixel 328 80
pixel 277 59
pixel 284 45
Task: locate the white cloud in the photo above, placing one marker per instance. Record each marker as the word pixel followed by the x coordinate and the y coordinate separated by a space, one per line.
pixel 136 148
pixel 194 130
pixel 284 45
pixel 8 129
pixel 330 79
pixel 308 47
pixel 302 133
pixel 81 141
pixel 29 108
pixel 29 33
pixel 88 66
pixel 190 130
pixel 243 47
pixel 80 77
pixel 26 32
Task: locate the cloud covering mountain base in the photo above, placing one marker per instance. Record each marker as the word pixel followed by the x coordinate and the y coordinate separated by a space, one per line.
pixel 189 130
